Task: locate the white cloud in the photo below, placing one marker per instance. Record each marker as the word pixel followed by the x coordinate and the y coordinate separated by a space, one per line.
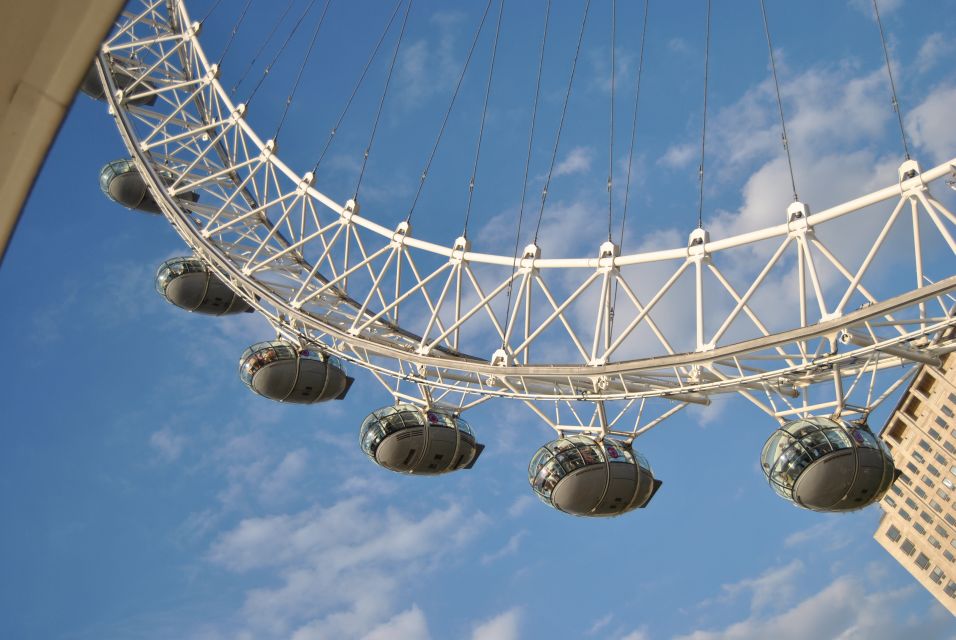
pixel 407 625
pixel 771 587
pixel 578 160
pixel 930 123
pixel 866 6
pixel 502 627
pixel 287 473
pixel 520 505
pixel 844 610
pixel 831 534
pixel 510 547
pixel 679 155
pixel 934 49
pixel 335 577
pixel 167 444
pixel 600 623
pixel 637 634
pixel 678 45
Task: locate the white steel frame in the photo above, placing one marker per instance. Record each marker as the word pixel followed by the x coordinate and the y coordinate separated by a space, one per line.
pixel 429 320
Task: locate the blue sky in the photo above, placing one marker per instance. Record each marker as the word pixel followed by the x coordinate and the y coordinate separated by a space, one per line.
pixel 145 493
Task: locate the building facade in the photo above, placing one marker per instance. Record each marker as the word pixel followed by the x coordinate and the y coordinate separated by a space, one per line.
pixel 918 526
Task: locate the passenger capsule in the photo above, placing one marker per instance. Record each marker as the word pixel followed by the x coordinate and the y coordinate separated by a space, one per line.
pixel 827 464
pixel 189 284
pixel 93 87
pixel 279 371
pixel 122 182
pixel 415 440
pixel 584 476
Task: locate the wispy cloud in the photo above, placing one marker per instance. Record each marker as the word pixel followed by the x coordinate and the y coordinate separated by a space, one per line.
pixel 336 577
pixel 510 548
pixel 504 626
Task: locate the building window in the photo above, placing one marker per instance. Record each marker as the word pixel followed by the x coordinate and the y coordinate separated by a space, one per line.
pixel 950 589
pixel 919 491
pixel 937 575
pixel 937 507
pixel 949 556
pixel 933 541
pixel 949 483
pixel 906 516
pixel 919 528
pixel 928 481
pixel 942 422
pixel 933 470
pixel 907 547
pixel 950 520
pixel 912 504
pixel 942 494
pixel 905 479
pixel 941 531
pixel 924 446
pixel 949 447
pixel 925 516
pixel 899 491
pixel 922 561
pixel 919 458
pixel 940 458
pixel 946 411
pixel 893 533
pixel 934 434
pixel 890 501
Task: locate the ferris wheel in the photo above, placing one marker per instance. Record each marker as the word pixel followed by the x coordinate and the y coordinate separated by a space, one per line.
pixel 790 316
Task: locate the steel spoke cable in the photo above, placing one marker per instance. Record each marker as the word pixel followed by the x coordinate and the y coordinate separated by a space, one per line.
pixel 484 113
pixel 776 86
pixel 703 133
pixel 889 72
pixel 278 54
pixel 381 102
pixel 610 144
pixel 451 105
pixel 527 164
pixel 630 153
pixel 262 46
pixel 564 113
pixel 304 63
pixel 235 30
pixel 214 6
pixel 358 84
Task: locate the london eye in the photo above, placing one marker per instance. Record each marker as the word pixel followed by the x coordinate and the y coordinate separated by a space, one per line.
pixel 794 312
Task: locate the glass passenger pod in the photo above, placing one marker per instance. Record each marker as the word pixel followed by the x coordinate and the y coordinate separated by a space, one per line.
pixel 280 371
pixel 584 476
pixel 188 283
pixel 410 439
pixel 827 464
pixel 92 86
pixel 122 183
